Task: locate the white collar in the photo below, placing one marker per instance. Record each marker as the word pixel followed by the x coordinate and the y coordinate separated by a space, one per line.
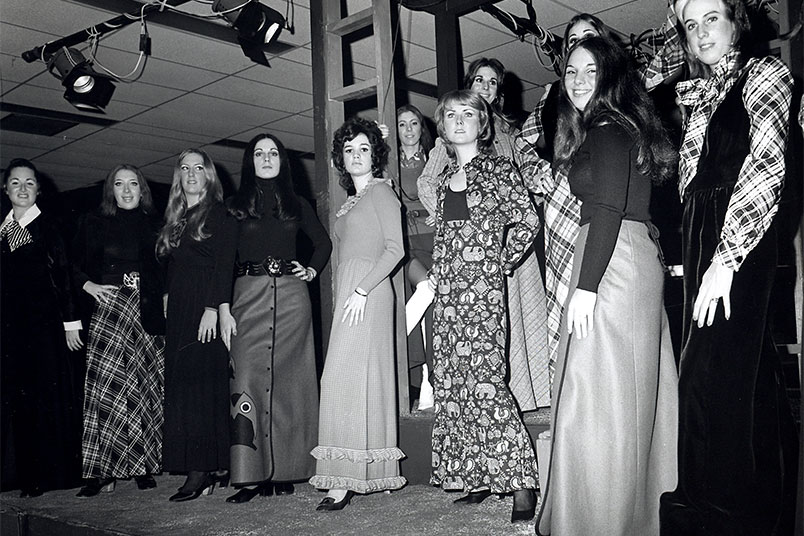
pixel 30 215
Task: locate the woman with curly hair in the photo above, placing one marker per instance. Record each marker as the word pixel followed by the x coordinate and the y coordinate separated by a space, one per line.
pixel 273 388
pixel 614 419
pixel 357 435
pixel 194 243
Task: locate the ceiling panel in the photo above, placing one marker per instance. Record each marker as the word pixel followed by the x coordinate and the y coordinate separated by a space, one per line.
pixel 296 124
pixel 283 72
pixel 257 94
pixel 417 27
pixel 478 38
pixel 160 132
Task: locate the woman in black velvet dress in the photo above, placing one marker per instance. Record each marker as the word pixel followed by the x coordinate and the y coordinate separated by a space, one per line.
pixel 274 389
pixel 41 416
pixel 115 264
pixel 737 446
pixel 193 240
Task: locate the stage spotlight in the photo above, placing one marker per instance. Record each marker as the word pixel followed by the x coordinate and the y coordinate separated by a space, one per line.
pixel 87 89
pixel 257 25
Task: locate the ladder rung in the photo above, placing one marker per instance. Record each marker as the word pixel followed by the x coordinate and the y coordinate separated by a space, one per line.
pixel 352 23
pixel 355 91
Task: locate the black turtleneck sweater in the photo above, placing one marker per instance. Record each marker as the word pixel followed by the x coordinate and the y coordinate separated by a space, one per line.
pixel 270 236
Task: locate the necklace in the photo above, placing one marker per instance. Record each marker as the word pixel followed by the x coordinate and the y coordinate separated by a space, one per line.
pixel 352 200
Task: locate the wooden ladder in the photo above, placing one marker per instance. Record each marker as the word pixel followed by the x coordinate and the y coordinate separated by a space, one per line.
pixel 330 94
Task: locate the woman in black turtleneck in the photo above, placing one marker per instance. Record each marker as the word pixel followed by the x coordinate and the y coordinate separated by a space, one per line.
pixel 274 393
pixel 115 263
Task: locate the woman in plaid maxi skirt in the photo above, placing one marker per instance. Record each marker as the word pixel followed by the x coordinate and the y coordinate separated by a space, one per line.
pixel 116 265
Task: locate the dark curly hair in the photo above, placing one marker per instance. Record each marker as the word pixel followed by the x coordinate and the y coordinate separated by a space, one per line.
pixel 618 97
pixel 351 129
pixel 20 163
pixel 248 201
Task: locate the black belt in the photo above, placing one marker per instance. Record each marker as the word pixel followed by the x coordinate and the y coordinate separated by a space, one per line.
pixel 130 280
pixel 268 266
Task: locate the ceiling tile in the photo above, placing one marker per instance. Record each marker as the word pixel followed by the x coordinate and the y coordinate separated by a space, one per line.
pixel 283 72
pixel 257 94
pixel 296 124
pixel 53 99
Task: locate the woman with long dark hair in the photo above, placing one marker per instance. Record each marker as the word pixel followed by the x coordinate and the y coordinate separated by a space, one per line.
pixel 737 442
pixel 41 415
pixel 195 244
pixel 273 389
pixel 527 351
pixel 562 209
pixel 115 263
pixel 614 418
pixel 485 224
pixel 357 440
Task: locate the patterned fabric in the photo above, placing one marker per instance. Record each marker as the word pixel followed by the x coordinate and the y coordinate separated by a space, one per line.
pixel 562 217
pixel 670 57
pixel 16 235
pixel 767 96
pixel 528 357
pixel 479 440
pixel 124 390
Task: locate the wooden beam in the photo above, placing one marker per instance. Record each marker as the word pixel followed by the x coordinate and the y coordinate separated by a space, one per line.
pixel 322 144
pixel 449 59
pixel 457 7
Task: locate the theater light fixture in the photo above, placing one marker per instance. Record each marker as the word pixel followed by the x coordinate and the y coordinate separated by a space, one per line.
pixel 86 89
pixel 257 25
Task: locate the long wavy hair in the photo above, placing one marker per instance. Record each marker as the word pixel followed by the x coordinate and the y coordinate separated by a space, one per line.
pixel 176 225
pixel 108 205
pixel 496 106
pixel 738 15
pixel 618 97
pixel 466 97
pixel 348 131
pixel 248 202
pixel 426 141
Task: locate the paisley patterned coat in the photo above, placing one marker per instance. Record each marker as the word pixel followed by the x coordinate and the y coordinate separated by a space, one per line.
pixel 479 440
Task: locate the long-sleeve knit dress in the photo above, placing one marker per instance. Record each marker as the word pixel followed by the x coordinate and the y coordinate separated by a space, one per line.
pixel 357 435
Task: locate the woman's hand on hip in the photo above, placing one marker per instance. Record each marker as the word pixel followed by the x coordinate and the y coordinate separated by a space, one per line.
pixel 715 285
pixel 354 309
pixel 208 327
pixel 305 274
pixel 580 312
pixel 101 293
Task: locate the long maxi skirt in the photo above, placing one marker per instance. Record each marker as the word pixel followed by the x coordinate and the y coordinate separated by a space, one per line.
pixel 123 392
pixel 357 440
pixel 738 445
pixel 615 406
pixel 274 391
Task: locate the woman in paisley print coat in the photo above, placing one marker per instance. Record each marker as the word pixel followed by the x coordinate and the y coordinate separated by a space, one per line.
pixel 479 441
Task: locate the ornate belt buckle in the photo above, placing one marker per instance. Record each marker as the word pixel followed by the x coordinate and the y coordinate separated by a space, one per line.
pixel 131 280
pixel 273 266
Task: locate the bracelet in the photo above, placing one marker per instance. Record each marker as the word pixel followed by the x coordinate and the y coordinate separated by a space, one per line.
pixel 360 292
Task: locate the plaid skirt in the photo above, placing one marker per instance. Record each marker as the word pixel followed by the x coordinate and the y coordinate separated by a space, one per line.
pixel 123 392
